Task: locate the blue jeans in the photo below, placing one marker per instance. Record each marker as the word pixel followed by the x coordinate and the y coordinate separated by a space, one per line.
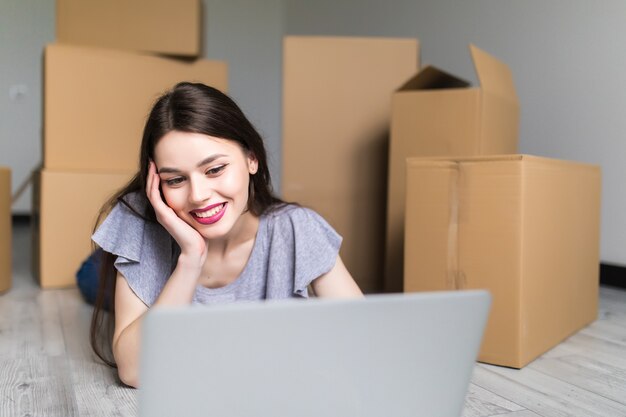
pixel 88 278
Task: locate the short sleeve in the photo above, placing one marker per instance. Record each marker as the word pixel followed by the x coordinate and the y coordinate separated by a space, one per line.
pixel 144 249
pixel 304 245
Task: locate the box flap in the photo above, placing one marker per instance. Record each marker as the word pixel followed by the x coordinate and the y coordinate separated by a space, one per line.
pixel 5 229
pixel 431 78
pixel 494 76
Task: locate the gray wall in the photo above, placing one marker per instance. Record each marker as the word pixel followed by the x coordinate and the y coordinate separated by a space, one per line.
pixel 25 27
pixel 567 58
pixel 248 35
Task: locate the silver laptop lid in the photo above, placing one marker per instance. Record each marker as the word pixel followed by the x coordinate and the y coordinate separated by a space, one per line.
pixel 385 355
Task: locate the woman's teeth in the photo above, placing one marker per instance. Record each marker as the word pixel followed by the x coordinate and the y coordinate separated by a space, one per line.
pixel 209 213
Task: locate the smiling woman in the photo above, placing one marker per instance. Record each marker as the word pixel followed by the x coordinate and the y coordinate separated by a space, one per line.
pixel 199 224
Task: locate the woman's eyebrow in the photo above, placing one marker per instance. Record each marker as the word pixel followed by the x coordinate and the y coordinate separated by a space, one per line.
pixel 201 163
pixel 210 159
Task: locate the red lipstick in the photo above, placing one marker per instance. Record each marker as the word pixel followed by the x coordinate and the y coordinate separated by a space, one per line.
pixel 214 218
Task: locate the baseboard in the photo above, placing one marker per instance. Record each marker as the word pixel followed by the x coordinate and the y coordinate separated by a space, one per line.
pixel 614 275
pixel 21 219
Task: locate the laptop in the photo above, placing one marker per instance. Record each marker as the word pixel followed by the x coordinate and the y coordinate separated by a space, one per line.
pixel 384 355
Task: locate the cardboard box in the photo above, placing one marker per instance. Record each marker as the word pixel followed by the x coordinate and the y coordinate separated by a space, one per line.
pixel 523 227
pixel 438 114
pixel 162 26
pixel 336 111
pixel 96 102
pixel 6 235
pixel 66 205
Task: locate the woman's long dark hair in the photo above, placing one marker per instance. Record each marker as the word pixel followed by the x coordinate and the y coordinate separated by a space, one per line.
pixel 188 107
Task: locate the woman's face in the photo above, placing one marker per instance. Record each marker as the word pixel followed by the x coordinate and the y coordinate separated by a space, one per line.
pixel 204 180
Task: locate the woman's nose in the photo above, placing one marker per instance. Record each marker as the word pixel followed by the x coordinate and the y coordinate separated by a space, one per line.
pixel 199 190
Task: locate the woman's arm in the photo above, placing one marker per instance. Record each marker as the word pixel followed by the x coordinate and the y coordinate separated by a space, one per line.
pixel 130 310
pixel 337 283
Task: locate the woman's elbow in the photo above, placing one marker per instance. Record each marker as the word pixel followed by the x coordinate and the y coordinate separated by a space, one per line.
pixel 129 376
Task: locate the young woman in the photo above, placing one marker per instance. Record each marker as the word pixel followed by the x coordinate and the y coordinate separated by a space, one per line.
pixel 199 224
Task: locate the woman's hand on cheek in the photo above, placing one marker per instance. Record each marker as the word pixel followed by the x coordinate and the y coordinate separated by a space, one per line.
pixel 190 241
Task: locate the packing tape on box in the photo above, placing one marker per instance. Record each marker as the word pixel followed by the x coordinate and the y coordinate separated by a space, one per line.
pixel 453 232
pixel 455 279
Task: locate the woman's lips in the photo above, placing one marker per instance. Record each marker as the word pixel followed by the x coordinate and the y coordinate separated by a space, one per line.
pixel 210 214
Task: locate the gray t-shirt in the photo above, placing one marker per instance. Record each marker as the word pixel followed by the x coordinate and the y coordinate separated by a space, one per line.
pixel 293 246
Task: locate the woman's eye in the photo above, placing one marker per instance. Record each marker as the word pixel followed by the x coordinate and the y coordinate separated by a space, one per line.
pixel 174 181
pixel 216 170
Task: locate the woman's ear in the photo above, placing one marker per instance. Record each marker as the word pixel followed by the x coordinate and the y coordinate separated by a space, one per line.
pixel 253 164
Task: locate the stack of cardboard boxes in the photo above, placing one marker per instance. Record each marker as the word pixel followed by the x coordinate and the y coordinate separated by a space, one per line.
pixel 100 81
pixel 469 213
pixel 5 229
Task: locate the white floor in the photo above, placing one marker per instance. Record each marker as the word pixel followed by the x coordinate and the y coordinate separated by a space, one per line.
pixel 47 368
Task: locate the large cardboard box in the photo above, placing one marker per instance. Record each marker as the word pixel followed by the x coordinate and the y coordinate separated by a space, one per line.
pixel 65 209
pixel 96 102
pixel 523 227
pixel 336 111
pixel 438 114
pixel 5 230
pixel 162 26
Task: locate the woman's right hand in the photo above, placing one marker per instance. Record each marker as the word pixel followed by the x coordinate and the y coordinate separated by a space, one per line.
pixel 192 244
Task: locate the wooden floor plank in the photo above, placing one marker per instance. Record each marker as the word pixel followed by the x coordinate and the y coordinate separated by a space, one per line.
pixel 616 318
pixel 613 296
pixel 522 413
pixel 75 320
pixel 50 317
pixel 479 403
pixel 607 330
pixel 591 375
pixel 544 394
pixel 98 391
pixel 600 349
pixel 36 385
pixel 20 325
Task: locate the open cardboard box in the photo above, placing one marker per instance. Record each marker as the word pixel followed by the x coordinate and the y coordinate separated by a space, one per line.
pixel 438 114
pixel 525 228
